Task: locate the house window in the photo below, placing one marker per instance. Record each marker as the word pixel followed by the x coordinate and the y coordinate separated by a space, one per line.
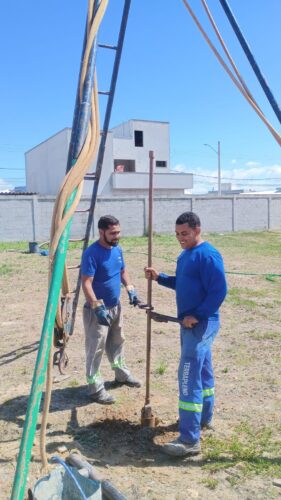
pixel 138 138
pixel 160 163
pixel 124 165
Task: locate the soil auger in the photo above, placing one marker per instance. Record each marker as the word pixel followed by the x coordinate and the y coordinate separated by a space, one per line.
pixel 147 417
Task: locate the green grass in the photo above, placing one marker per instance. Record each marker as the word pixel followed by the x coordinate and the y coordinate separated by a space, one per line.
pixel 14 246
pixel 244 297
pixel 161 367
pixel 157 385
pixel 210 482
pixel 235 298
pixel 74 383
pixel 5 269
pixel 260 335
pixel 264 243
pixel 257 451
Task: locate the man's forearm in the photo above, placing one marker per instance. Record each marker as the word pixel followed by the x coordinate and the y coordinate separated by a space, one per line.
pixel 167 281
pixel 125 278
pixel 89 294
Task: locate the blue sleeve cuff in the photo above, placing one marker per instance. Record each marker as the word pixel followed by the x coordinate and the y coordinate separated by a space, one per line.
pixel 166 280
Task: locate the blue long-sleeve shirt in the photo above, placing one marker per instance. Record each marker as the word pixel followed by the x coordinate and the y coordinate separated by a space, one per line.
pixel 199 283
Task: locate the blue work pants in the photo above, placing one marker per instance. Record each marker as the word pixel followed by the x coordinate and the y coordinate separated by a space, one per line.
pixel 196 379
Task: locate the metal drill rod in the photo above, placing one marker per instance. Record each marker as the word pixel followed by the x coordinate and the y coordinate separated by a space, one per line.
pixel 149 281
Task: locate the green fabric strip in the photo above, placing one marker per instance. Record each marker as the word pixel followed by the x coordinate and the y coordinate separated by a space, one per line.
pixel 118 364
pixel 208 392
pixel 190 406
pixel 93 378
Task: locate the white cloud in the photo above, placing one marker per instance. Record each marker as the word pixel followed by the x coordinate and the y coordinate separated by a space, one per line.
pixel 252 164
pixel 5 186
pixel 180 168
pixel 233 162
pixel 265 178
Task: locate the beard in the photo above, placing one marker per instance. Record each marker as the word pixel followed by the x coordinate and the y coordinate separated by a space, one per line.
pixel 113 243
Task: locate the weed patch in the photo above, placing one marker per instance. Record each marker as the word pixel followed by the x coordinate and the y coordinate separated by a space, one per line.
pixel 256 449
pixel 161 368
pixel 5 269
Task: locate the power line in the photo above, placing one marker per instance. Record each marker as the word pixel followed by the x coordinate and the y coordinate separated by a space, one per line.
pixel 240 184
pixel 16 179
pixel 240 179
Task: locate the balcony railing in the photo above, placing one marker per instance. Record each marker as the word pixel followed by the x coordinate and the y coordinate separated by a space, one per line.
pixel 140 180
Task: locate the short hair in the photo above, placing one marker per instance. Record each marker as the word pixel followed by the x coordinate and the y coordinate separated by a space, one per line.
pixel 107 220
pixel 189 218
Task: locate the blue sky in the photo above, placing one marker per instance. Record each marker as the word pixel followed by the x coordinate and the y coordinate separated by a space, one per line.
pixel 167 73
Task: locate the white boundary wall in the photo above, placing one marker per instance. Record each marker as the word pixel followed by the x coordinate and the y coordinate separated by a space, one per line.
pixel 28 217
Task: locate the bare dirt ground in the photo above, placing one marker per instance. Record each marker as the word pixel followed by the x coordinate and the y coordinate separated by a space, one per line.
pixel 240 460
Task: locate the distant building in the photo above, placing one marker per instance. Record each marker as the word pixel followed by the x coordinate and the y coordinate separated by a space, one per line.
pixel 125 166
pixel 226 188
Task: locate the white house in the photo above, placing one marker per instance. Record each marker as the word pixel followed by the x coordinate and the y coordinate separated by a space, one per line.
pixel 125 166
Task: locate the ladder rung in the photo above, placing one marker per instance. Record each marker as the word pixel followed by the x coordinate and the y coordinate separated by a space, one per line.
pixel 74 267
pixel 77 239
pixel 105 46
pixel 90 177
pixel 104 92
pixel 82 212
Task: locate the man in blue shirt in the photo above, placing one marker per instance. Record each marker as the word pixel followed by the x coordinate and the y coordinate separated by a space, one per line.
pixel 103 271
pixel 200 287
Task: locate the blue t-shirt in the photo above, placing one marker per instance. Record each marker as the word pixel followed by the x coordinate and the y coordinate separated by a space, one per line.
pixel 200 282
pixel 105 266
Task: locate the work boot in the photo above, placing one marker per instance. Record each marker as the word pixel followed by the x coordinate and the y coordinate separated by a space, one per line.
pixel 130 381
pixel 102 397
pixel 207 427
pixel 178 448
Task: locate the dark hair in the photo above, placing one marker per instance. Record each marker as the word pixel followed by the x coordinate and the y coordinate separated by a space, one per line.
pixel 189 218
pixel 106 221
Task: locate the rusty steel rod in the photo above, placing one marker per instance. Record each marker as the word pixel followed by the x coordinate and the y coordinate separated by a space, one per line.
pixel 147 418
pixel 149 281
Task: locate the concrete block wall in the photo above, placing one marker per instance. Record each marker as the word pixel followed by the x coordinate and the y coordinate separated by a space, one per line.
pixel 28 217
pixel 275 212
pixel 130 212
pixel 16 218
pixel 216 214
pixel 251 213
pixel 166 211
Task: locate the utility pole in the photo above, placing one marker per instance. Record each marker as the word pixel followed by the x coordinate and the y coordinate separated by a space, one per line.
pixel 218 153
